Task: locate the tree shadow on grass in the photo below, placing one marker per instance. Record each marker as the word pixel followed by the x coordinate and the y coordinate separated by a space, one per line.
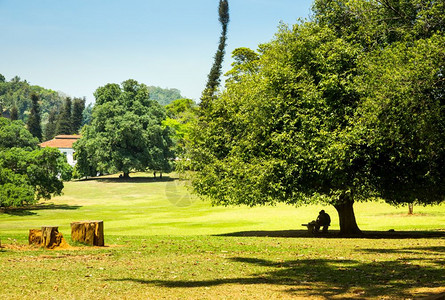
pixel 349 279
pixel 136 179
pixel 414 250
pixel 334 234
pixel 30 210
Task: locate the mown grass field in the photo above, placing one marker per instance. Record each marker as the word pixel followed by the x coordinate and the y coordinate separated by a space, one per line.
pixel 164 243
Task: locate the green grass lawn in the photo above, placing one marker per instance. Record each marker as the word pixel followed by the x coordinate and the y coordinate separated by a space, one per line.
pixel 164 243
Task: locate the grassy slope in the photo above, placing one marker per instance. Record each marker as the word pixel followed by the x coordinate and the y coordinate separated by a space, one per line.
pixel 161 248
pixel 148 207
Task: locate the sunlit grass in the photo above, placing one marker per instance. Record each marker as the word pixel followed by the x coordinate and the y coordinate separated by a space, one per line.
pixel 161 243
pixel 154 207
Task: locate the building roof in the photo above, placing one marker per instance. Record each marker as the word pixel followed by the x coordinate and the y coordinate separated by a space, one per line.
pixel 61 141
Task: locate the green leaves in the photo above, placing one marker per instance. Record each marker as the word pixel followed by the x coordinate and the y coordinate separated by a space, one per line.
pixel 125 133
pixel 14 134
pixel 346 107
pixel 403 115
pixel 28 174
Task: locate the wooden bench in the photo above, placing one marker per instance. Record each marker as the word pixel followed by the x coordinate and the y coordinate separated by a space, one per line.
pixel 310 227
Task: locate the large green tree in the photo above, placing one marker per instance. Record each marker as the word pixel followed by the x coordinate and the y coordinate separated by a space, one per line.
pixel 319 116
pixel 28 173
pixel 126 133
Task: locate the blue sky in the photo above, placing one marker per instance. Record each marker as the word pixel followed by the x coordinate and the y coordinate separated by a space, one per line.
pixel 77 46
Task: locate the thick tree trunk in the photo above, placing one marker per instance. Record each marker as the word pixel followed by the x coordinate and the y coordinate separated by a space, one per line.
pixel 126 175
pixel 410 208
pixel 348 224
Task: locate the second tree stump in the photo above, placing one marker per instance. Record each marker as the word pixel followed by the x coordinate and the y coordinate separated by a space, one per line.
pixel 88 232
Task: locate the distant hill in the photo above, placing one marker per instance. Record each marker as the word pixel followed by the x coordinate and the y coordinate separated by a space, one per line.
pixel 18 92
pixel 164 96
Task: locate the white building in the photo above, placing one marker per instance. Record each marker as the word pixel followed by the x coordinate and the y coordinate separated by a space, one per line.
pixel 65 145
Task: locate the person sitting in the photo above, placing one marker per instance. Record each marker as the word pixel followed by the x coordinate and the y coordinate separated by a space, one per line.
pixel 323 220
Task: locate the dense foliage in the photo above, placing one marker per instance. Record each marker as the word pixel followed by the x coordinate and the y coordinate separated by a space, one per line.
pixel 69 120
pixel 126 133
pixel 28 173
pixel 181 115
pixel 346 107
pixel 56 114
pixel 16 94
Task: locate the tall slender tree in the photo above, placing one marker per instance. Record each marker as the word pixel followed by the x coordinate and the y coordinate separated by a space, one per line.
pixel 64 124
pixel 214 77
pixel 77 117
pixel 33 123
pixel 50 129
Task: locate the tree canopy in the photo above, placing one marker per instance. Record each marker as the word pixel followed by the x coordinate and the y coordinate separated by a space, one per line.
pixel 16 94
pixel 339 109
pixel 28 173
pixel 126 133
pixel 181 115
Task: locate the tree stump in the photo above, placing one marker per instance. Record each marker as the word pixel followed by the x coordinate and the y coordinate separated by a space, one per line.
pixel 48 237
pixel 35 237
pixel 88 232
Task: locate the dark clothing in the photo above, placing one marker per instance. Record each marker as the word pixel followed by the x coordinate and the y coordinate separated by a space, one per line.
pixel 323 220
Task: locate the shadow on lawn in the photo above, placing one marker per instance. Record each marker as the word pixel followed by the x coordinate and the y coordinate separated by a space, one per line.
pixel 135 179
pixel 29 210
pixel 335 234
pixel 329 277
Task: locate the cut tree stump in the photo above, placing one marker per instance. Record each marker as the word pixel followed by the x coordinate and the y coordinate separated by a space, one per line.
pixel 88 232
pixel 47 237
pixel 35 237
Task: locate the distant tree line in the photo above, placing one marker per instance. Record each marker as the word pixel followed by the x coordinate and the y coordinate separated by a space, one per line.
pixel 68 120
pixel 47 113
pixel 132 127
pixel 15 99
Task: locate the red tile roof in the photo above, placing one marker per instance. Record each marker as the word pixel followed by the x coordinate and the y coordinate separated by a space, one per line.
pixel 61 141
